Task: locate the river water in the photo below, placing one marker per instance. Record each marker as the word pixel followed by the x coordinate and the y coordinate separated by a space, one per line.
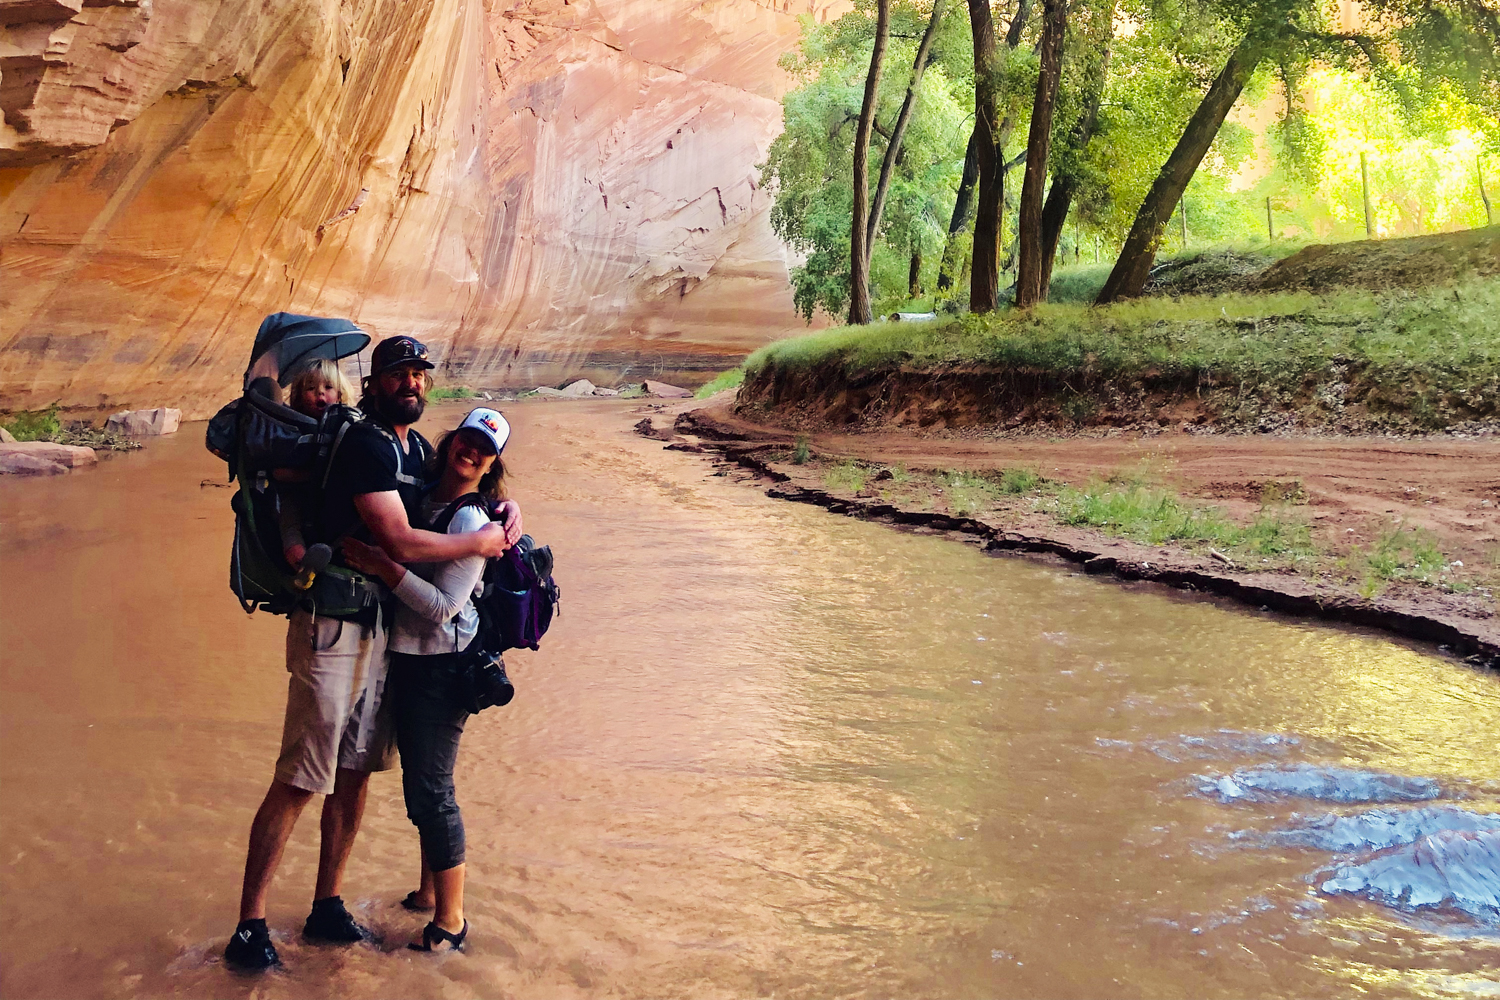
pixel 765 751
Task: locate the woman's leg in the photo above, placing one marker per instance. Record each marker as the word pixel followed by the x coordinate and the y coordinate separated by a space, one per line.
pixel 429 724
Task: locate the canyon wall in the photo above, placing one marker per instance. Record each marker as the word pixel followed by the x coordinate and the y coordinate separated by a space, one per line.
pixel 535 188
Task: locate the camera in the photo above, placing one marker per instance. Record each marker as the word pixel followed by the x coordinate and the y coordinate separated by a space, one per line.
pixel 487 683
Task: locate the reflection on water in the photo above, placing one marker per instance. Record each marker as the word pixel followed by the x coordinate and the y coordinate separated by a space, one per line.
pixel 764 750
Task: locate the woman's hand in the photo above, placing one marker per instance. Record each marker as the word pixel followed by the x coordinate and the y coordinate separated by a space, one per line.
pixel 510 513
pixel 294 554
pixel 372 559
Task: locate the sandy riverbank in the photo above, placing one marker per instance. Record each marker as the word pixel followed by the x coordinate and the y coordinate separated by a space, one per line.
pixel 1348 492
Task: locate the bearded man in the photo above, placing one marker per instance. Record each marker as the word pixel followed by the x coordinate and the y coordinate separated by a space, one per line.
pixel 336 731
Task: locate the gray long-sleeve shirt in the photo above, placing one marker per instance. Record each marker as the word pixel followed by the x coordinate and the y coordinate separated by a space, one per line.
pixel 436 614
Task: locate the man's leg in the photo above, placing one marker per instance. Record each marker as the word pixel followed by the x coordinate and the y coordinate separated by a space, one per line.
pixel 342 812
pixel 269 833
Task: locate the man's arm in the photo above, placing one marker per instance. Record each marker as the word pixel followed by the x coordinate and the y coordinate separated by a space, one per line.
pixel 384 515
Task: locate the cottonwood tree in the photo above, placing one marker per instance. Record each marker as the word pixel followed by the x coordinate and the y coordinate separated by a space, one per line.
pixel 859 255
pixel 1029 281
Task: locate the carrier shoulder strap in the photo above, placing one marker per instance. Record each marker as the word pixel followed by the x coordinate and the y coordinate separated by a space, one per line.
pixel 445 518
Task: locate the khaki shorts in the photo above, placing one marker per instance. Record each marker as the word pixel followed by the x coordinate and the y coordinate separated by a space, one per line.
pixel 334 715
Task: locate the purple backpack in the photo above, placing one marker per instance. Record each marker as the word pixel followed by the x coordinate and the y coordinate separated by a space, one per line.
pixel 519 596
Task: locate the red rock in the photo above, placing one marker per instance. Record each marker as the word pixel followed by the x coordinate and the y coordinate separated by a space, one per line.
pixel 666 391
pixel 69 456
pixel 493 178
pixel 21 464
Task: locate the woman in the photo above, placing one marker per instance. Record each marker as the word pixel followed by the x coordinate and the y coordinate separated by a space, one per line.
pixel 433 625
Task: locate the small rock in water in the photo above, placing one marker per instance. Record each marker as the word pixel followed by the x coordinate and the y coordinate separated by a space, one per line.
pixel 1454 868
pixel 665 391
pixel 583 387
pixel 1328 784
pixel 547 390
pixel 145 423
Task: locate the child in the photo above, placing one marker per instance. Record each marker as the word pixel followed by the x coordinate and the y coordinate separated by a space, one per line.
pixel 314 390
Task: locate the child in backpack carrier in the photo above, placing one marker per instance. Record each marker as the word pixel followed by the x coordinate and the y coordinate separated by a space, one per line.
pixel 317 387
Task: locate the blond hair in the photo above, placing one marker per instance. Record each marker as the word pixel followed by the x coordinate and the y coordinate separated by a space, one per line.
pixel 322 372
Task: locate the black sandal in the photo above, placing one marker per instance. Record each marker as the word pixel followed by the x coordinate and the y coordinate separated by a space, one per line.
pixel 410 903
pixel 432 934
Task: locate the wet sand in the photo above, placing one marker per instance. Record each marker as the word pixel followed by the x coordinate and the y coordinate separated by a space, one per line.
pixel 765 750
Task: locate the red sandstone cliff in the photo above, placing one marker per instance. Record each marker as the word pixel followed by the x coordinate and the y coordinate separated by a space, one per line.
pixel 537 188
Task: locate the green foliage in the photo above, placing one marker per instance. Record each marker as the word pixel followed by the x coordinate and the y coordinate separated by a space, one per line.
pixel 801 453
pixel 732 379
pixel 451 392
pixel 810 164
pixel 34 425
pixel 44 425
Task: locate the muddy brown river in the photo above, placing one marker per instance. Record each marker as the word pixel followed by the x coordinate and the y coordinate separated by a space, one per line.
pixel 765 751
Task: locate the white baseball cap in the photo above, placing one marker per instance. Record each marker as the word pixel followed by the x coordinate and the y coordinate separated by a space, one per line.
pixel 490 423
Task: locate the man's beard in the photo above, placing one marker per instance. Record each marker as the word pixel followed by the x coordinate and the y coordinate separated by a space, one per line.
pixel 400 410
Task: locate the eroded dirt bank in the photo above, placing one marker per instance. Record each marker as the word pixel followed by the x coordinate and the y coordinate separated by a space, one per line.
pixel 1349 492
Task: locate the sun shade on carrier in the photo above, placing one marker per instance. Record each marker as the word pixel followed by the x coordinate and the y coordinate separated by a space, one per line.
pixel 257 434
pixel 259 427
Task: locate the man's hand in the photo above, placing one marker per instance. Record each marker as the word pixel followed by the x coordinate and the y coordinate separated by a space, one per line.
pixel 492 540
pixel 294 554
pixel 510 514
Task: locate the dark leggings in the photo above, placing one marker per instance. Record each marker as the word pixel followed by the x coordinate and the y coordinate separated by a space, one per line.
pixel 427 694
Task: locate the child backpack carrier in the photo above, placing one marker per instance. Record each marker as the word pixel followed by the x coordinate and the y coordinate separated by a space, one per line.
pixel 257 434
pixel 518 596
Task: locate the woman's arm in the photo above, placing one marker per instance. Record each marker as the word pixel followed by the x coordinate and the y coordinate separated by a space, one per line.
pixel 384 515
pixel 451 586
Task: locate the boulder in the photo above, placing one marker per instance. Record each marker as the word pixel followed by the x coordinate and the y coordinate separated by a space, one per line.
pixel 145 423
pixel 6 437
pixel 548 391
pixel 600 391
pixel 69 456
pixel 18 463
pixel 583 387
pixel 664 391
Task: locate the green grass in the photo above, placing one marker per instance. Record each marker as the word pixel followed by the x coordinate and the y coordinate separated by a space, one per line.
pixel 1432 344
pixel 724 380
pixel 451 392
pixel 1014 482
pixel 847 476
pixel 1397 553
pixel 1155 516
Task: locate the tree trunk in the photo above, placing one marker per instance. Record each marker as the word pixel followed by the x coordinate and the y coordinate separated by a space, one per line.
pixel 990 135
pixel 898 134
pixel 914 272
pixel 1065 176
pixel 963 211
pixel 1038 150
pixel 859 255
pixel 1131 271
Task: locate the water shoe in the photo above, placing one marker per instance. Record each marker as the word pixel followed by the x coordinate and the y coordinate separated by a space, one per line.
pixel 329 921
pixel 251 949
pixel 433 935
pixel 411 903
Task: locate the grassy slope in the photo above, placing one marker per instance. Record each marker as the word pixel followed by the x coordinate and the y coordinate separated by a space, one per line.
pixel 1439 340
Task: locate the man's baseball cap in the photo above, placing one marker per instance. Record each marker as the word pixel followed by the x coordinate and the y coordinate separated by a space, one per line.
pixel 402 350
pixel 490 424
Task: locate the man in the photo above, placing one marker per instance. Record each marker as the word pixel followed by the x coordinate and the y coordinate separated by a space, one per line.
pixel 335 732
